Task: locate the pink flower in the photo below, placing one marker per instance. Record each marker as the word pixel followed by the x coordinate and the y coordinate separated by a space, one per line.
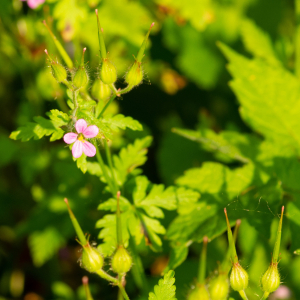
pixel 34 3
pixel 80 144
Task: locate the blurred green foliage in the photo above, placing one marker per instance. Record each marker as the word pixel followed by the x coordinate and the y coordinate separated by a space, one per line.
pixel 217 148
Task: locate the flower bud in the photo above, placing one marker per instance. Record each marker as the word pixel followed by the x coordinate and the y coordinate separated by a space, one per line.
pixel 58 71
pixel 81 78
pixel 219 287
pixel 135 74
pixel 108 72
pixel 92 259
pixel 199 293
pixel 271 279
pixel 100 90
pixel 121 261
pixel 238 278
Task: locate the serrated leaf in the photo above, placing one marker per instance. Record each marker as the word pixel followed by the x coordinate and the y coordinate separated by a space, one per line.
pixel 258 42
pixel 266 95
pixel 131 157
pixel 58 117
pixel 186 200
pixel 121 122
pixel 165 290
pixel 111 204
pixel 44 244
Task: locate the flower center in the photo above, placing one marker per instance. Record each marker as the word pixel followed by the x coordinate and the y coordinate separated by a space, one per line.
pixel 81 137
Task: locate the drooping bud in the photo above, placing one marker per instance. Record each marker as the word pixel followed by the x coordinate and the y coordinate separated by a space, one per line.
pixel 199 293
pixel 81 78
pixel 135 74
pixel 100 90
pixel 271 279
pixel 219 287
pixel 108 72
pixel 238 278
pixel 121 261
pixel 92 259
pixel 58 71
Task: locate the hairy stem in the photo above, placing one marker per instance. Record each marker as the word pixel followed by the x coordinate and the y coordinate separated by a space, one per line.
pixel 243 295
pixel 107 105
pixel 109 159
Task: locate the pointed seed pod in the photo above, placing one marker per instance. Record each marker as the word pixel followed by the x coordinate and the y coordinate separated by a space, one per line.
pixel 58 71
pixel 199 293
pixel 108 72
pixel 271 279
pixel 238 278
pixel 135 74
pixel 100 90
pixel 121 261
pixel 92 259
pixel 219 287
pixel 81 78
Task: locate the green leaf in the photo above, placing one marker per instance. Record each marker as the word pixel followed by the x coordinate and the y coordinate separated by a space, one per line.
pixel 62 290
pixel 266 95
pixel 165 290
pixel 186 200
pixel 258 42
pixel 131 157
pixel 81 163
pixel 177 257
pixel 44 244
pixel 121 122
pixel 42 127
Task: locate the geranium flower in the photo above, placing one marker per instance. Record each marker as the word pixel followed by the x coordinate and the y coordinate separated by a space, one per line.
pixel 34 3
pixel 80 144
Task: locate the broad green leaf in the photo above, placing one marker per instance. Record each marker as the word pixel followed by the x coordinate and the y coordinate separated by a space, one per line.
pixel 81 163
pixel 177 257
pixel 186 200
pixel 131 157
pixel 258 42
pixel 121 122
pixel 43 127
pixel 165 290
pixel 269 98
pixel 44 244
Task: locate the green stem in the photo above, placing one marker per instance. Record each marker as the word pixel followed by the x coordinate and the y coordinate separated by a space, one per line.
pixel 120 295
pixel 107 277
pixel 109 159
pixel 119 222
pixel 297 39
pixel 123 292
pixel 265 296
pixel 102 166
pixel 107 105
pixel 74 96
pixel 125 90
pixel 202 263
pixel 88 294
pixel 243 295
pixel 278 238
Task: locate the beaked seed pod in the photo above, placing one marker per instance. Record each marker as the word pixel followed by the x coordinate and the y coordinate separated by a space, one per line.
pixel 238 278
pixel 100 90
pixel 92 259
pixel 219 287
pixel 199 293
pixel 80 78
pixel 108 72
pixel 121 261
pixel 135 74
pixel 58 71
pixel 271 279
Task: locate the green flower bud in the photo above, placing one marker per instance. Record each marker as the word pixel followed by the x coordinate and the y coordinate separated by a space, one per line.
pixel 219 287
pixel 121 261
pixel 80 78
pixel 135 74
pixel 199 293
pixel 92 259
pixel 100 90
pixel 108 72
pixel 238 278
pixel 271 279
pixel 58 71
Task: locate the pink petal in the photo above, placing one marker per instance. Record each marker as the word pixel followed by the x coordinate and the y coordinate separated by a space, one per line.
pixel 34 3
pixel 80 125
pixel 70 137
pixel 89 149
pixel 91 132
pixel 77 149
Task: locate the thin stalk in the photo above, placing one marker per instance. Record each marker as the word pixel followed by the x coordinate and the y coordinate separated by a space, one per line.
pixel 107 105
pixel 278 239
pixel 85 282
pixel 60 48
pixel 243 295
pixel 109 159
pixel 297 39
pixel 123 292
pixel 119 221
pixel 74 98
pixel 125 90
pixel 202 262
pixel 120 295
pixel 107 277
pixel 102 166
pixel 265 296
